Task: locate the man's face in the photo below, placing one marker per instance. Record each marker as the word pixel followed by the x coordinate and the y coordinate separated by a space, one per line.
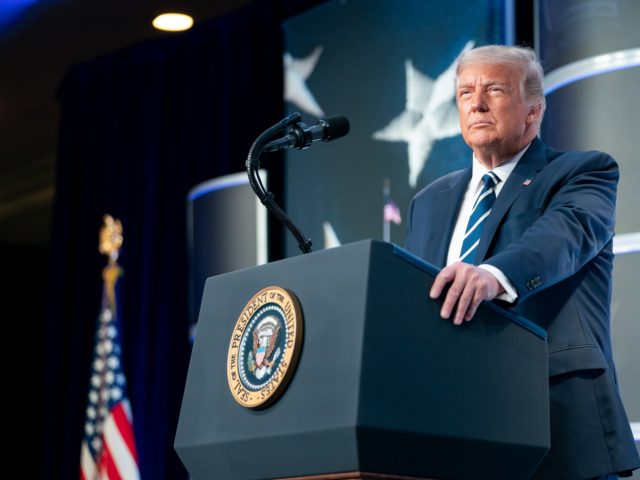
pixel 494 116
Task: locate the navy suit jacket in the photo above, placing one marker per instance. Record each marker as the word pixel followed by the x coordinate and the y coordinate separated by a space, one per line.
pixel 550 232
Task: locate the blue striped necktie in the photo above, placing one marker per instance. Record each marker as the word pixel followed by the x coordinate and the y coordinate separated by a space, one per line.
pixel 479 214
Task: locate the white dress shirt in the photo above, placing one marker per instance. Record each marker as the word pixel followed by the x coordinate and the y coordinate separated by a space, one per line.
pixel 473 190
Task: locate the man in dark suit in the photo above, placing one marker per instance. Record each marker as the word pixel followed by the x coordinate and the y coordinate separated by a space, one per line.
pixel 532 227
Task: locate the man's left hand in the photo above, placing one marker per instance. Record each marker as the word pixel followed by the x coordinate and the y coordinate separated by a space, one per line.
pixel 470 285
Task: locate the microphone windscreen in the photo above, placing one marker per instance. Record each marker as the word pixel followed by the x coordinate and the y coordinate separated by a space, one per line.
pixel 337 127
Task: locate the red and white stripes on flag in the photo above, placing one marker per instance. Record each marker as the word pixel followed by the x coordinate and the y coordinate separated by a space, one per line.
pixel 108 448
pixel 392 212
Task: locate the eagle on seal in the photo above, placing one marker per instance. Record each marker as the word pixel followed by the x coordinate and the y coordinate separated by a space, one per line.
pixel 265 339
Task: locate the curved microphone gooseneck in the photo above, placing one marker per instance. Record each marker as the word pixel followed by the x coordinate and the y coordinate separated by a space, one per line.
pixel 266 197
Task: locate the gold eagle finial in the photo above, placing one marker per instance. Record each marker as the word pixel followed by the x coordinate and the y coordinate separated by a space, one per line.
pixel 110 243
pixel 110 238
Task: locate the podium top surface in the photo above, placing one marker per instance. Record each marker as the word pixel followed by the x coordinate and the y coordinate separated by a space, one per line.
pixel 427 267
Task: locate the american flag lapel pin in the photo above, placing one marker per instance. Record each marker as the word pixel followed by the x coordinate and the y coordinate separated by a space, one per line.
pixel 526 183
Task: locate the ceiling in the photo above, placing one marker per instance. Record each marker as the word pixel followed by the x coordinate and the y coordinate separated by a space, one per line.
pixel 39 40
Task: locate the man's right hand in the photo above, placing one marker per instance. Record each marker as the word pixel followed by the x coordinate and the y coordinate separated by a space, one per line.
pixel 470 286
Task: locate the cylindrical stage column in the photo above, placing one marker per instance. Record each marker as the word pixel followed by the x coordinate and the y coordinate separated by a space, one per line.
pixel 226 231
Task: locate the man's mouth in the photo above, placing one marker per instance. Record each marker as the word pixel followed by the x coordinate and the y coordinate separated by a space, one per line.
pixel 480 124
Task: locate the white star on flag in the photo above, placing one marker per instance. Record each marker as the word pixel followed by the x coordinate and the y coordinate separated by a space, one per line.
pixel 430 114
pixel 296 72
pixel 330 238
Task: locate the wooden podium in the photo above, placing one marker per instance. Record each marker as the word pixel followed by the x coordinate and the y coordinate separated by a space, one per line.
pixel 384 387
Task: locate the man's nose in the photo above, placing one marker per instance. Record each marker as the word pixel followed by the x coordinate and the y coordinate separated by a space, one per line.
pixel 478 103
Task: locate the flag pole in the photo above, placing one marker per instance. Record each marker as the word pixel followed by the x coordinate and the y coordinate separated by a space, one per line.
pixel 386 193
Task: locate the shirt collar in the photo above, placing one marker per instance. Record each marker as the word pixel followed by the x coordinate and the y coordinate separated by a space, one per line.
pixel 503 171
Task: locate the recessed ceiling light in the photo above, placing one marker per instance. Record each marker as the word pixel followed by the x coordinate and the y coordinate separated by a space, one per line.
pixel 173 22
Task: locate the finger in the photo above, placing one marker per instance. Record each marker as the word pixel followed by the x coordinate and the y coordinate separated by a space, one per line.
pixel 442 279
pixel 455 290
pixel 464 301
pixel 475 303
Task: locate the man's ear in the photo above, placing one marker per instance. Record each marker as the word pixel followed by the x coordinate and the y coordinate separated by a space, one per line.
pixel 534 113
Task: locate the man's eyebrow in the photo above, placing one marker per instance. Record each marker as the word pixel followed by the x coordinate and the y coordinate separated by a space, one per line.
pixel 488 82
pixel 491 82
pixel 464 85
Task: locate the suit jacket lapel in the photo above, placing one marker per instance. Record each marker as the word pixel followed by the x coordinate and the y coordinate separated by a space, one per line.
pixel 533 160
pixel 447 205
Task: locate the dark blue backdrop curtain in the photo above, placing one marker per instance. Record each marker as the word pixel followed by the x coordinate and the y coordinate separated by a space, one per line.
pixel 138 129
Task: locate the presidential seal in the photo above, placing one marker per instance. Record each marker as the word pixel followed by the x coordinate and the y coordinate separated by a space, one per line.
pixel 264 348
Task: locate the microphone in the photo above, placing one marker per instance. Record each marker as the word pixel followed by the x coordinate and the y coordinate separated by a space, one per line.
pixel 301 136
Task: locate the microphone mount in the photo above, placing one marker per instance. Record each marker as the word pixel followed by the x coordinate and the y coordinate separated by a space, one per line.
pixel 252 165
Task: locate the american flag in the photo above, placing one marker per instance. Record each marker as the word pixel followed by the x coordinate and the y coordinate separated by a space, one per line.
pixel 392 212
pixel 108 449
